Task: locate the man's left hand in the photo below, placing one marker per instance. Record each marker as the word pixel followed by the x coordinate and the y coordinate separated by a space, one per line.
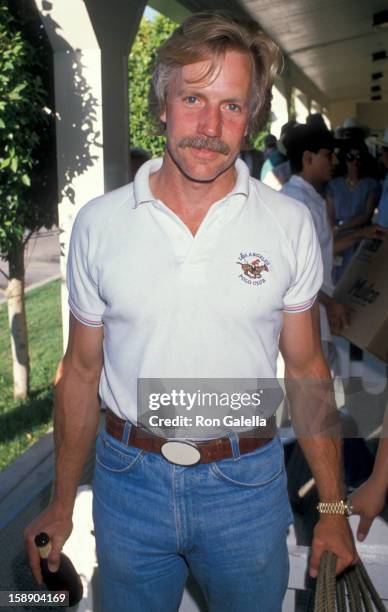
pixel 332 533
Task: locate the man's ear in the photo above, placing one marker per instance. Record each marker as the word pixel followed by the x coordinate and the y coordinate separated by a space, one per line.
pixel 163 116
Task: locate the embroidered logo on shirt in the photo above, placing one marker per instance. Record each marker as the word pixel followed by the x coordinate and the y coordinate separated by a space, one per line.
pixel 253 267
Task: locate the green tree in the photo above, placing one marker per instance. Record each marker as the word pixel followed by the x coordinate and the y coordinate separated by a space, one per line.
pixel 26 184
pixel 142 58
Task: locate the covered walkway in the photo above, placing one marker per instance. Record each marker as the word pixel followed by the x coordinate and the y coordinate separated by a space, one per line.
pixel 329 68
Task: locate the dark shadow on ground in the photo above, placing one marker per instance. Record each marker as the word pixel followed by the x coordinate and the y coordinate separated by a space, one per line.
pixel 35 411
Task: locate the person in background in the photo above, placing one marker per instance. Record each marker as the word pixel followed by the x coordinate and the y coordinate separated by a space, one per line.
pixel 350 130
pixel 274 157
pixel 276 169
pixel 382 215
pixel 351 198
pixel 254 159
pixel 315 120
pixel 310 153
pixel 137 157
pixel 370 498
pixel 270 145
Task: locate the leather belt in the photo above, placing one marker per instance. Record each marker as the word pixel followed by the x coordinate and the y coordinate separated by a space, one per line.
pixel 205 451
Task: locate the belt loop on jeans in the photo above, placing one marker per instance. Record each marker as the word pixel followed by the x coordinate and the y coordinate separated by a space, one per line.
pixel 126 432
pixel 234 443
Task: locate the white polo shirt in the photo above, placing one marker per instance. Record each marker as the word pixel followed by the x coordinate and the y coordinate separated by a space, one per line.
pixel 302 191
pixel 178 306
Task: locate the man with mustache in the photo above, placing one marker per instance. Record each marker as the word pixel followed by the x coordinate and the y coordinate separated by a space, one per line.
pixel 155 293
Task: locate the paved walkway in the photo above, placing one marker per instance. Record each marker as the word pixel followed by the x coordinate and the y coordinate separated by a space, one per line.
pixel 41 260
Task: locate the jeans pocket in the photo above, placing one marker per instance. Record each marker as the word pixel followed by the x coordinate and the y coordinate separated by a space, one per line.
pixel 115 456
pixel 253 470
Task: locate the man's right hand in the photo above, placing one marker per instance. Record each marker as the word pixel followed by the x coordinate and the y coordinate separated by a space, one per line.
pixel 58 526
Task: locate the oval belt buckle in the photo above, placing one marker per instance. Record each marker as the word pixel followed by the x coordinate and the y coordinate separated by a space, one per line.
pixel 181 452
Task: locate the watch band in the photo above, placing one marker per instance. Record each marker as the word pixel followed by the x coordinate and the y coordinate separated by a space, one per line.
pixel 337 507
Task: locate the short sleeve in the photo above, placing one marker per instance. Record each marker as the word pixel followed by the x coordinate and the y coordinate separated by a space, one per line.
pixel 85 302
pixel 308 269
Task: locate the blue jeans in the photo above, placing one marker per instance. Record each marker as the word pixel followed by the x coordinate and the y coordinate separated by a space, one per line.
pixel 226 521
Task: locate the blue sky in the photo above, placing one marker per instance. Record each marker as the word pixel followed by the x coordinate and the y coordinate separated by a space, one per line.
pixel 150 13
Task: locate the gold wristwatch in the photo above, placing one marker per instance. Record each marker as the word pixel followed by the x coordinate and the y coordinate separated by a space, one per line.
pixel 338 507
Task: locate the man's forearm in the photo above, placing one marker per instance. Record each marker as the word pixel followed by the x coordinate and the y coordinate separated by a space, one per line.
pixel 324 457
pixel 359 220
pixel 76 419
pixel 315 419
pixel 341 243
pixel 316 422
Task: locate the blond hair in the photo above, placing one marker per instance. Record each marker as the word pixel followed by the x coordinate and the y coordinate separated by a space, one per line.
pixel 207 36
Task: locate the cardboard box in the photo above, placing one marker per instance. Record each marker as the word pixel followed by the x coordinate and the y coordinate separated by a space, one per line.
pixel 364 288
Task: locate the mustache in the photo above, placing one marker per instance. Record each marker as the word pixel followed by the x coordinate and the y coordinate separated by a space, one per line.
pixel 201 142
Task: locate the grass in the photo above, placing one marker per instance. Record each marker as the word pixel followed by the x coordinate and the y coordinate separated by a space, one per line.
pixel 22 423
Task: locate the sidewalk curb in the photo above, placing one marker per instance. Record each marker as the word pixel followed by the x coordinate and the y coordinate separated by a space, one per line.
pixel 26 477
pixel 49 279
pixel 31 473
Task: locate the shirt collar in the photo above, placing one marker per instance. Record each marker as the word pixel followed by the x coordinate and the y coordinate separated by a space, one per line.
pixel 141 183
pixel 143 193
pixel 298 181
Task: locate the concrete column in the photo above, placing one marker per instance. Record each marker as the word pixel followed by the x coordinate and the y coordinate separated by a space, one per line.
pixel 78 102
pixel 315 107
pixel 301 106
pixel 90 42
pixel 279 108
pixel 308 103
pixel 304 86
pixel 326 118
pixel 285 84
pixel 115 25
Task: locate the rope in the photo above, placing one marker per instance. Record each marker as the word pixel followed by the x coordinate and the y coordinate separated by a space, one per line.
pixel 370 586
pixel 352 590
pixel 325 589
pixel 341 594
pixel 354 597
pixel 366 598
